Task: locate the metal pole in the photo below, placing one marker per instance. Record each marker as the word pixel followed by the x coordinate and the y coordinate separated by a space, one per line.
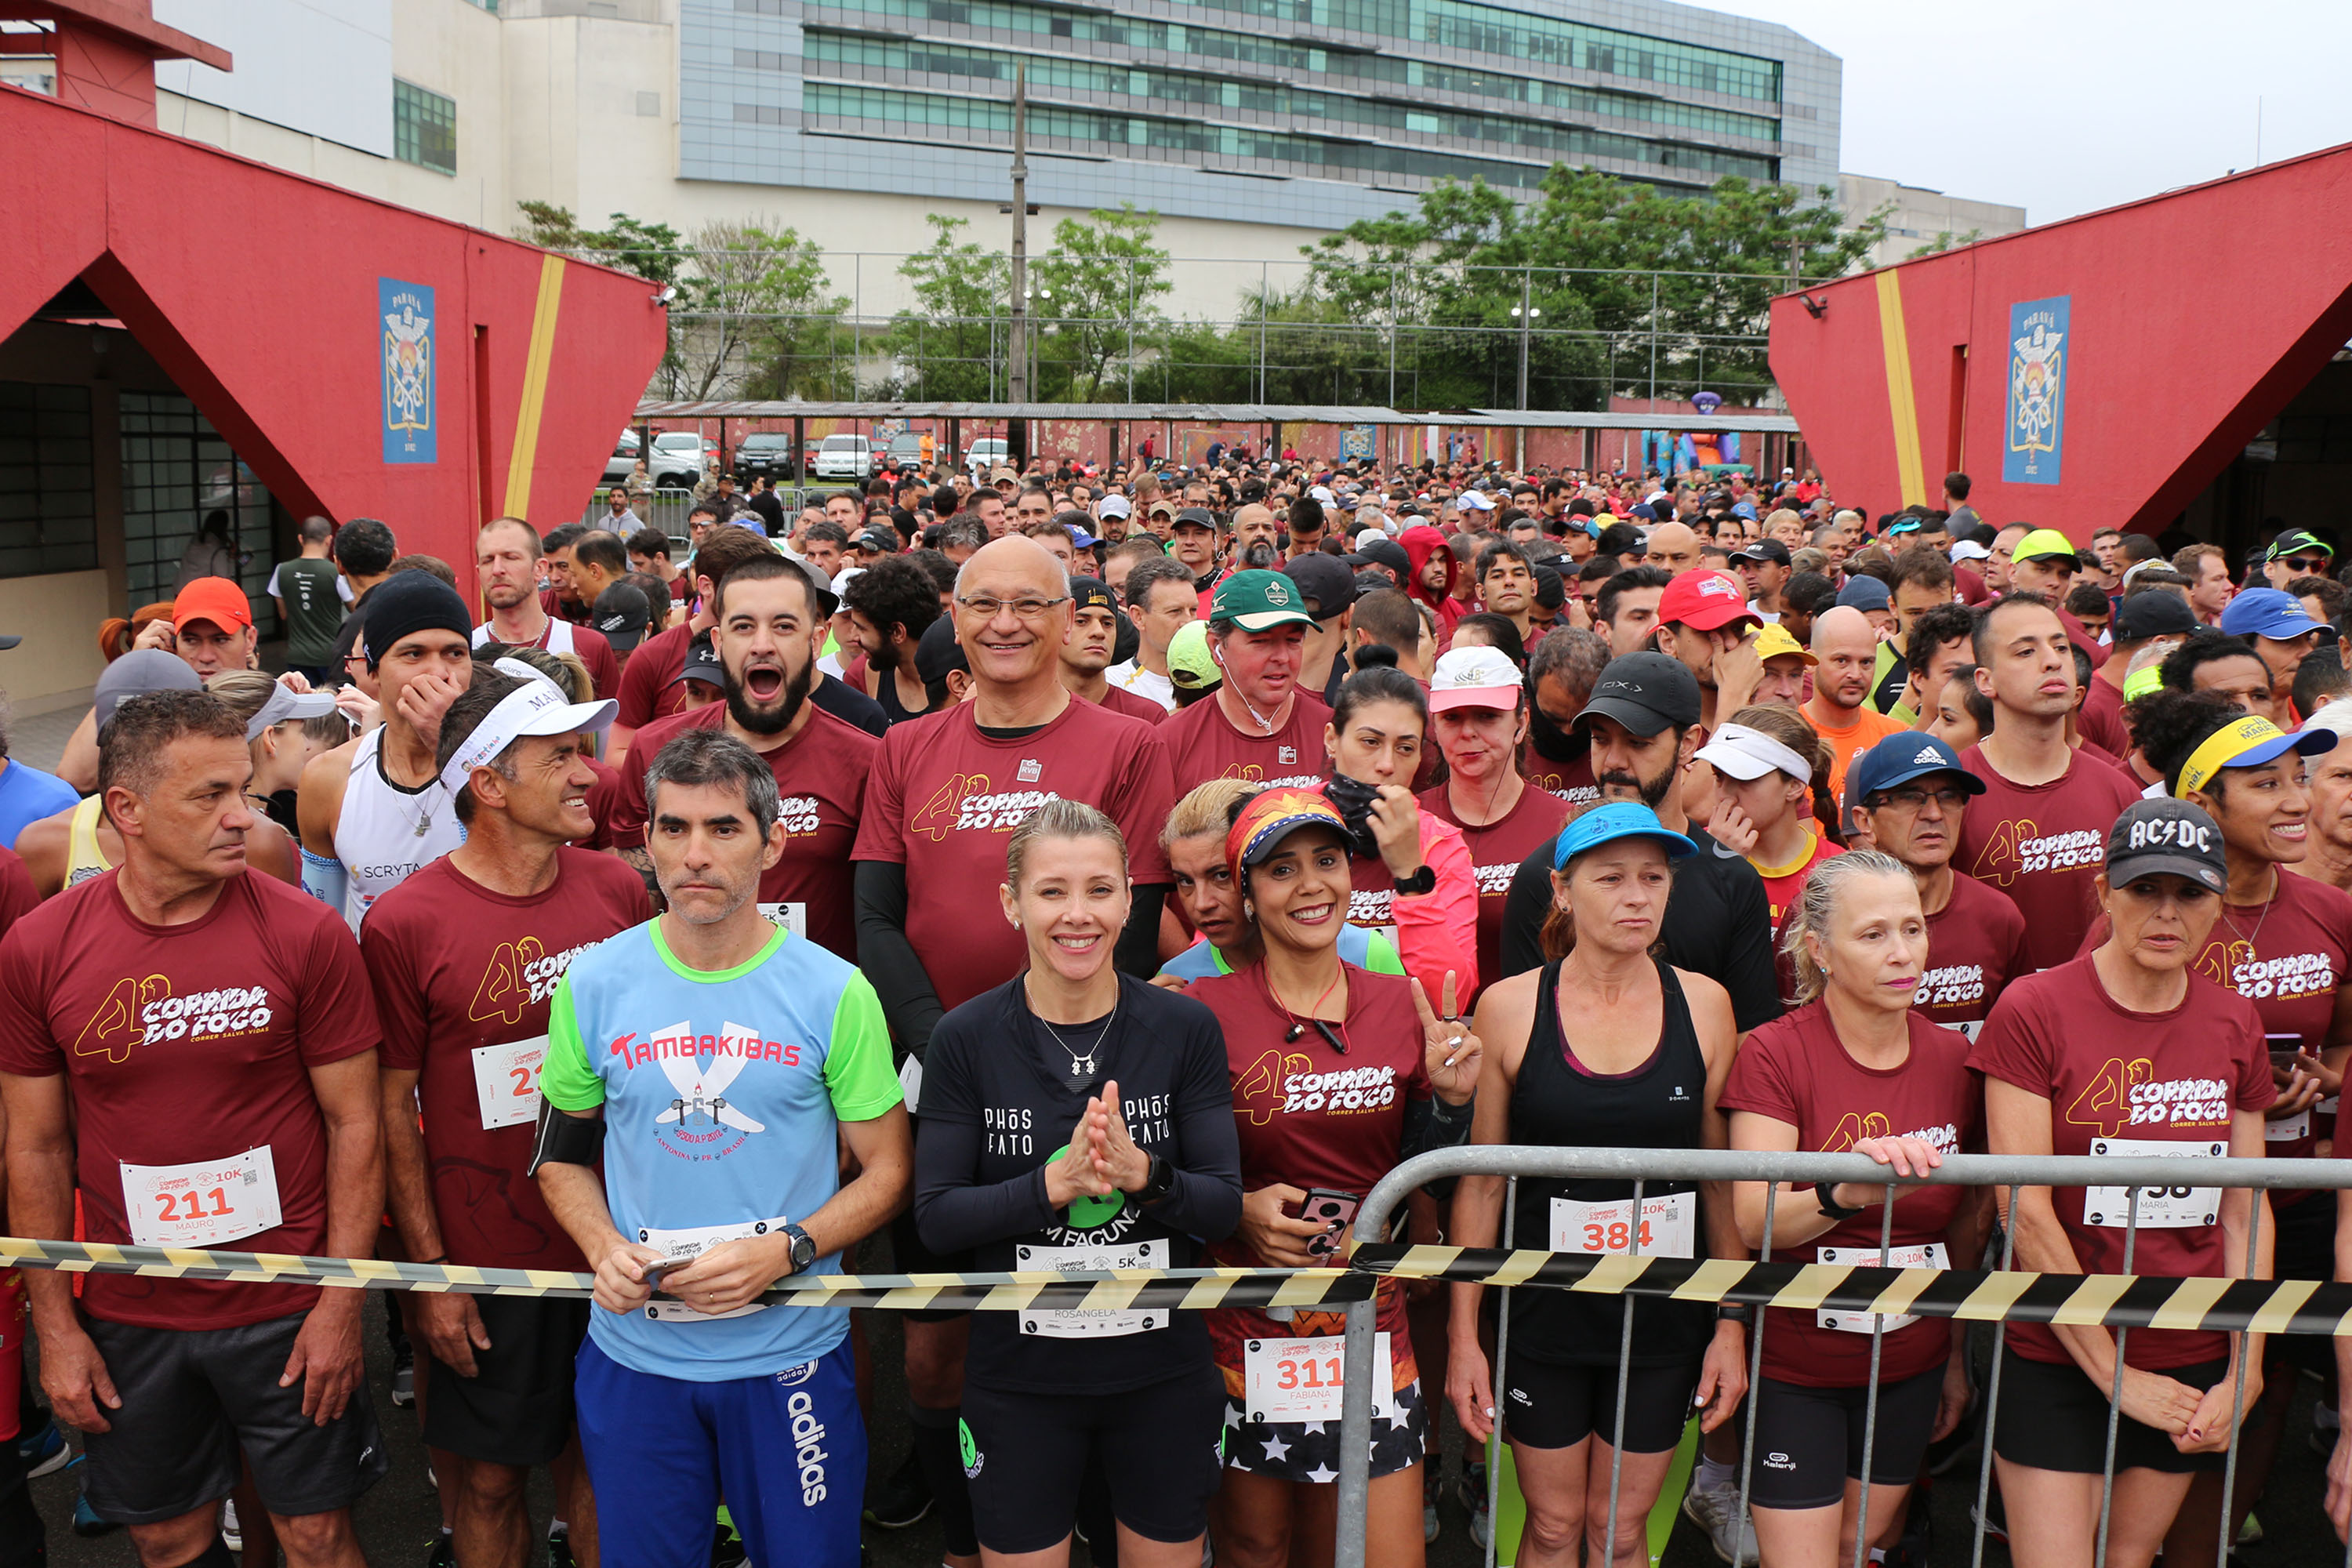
pixel 1653 340
pixel 1392 336
pixel 1355 1495
pixel 1526 321
pixel 1502 1358
pixel 1130 329
pixel 1264 306
pixel 1016 347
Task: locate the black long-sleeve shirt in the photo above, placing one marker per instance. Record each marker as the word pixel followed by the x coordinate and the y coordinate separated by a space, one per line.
pixel 999 1101
pixel 1719 924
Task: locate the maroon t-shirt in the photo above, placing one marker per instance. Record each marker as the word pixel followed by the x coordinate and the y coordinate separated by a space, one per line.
pixel 17 896
pixel 1495 851
pixel 1571 781
pixel 821 783
pixel 653 684
pixel 1203 745
pixel 187 1044
pixel 1311 1116
pixel 1976 946
pixel 604 804
pixel 945 795
pixel 462 973
pixel 2042 846
pixel 2123 1082
pixel 2284 956
pixel 2101 719
pixel 1794 1069
pixel 1118 699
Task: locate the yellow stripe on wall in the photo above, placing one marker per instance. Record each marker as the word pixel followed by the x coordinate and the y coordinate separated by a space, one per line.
pixel 534 387
pixel 1900 402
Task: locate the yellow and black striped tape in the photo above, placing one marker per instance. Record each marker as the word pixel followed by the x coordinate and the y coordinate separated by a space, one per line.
pixel 2115 1300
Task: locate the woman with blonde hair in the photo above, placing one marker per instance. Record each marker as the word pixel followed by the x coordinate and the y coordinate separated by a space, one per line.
pixel 1772 798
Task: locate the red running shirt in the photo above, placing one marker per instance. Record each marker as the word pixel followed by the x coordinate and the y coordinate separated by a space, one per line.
pixel 1203 745
pixel 460 973
pixel 2043 846
pixel 821 780
pixel 1794 1070
pixel 189 1043
pixel 1976 946
pixel 653 683
pixel 1571 781
pixel 1495 851
pixel 944 797
pixel 2129 1083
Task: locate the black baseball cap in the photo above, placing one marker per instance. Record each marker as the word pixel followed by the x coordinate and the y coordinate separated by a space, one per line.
pixel 2156 613
pixel 1388 552
pixel 621 614
pixel 1091 593
pixel 1646 692
pixel 1326 581
pixel 702 661
pixel 1195 516
pixel 939 652
pixel 1770 549
pixel 1620 539
pixel 2167 836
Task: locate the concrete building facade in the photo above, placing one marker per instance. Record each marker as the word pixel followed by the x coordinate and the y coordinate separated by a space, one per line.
pixel 1917 217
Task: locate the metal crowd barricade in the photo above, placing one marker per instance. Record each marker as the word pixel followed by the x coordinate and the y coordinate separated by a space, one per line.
pixel 1796 1170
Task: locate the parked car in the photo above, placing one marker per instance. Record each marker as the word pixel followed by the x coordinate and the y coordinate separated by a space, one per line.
pixel 907 449
pixel 985 453
pixel 845 458
pixel 677 460
pixel 624 460
pixel 763 455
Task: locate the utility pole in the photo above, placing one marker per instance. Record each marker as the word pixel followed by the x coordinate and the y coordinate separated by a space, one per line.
pixel 1016 348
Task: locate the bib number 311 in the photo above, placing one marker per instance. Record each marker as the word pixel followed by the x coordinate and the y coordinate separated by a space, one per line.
pixel 1291 1381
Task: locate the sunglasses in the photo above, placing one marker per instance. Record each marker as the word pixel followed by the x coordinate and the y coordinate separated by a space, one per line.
pixel 2310 565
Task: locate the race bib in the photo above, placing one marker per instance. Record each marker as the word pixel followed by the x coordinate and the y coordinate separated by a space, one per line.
pixel 793 918
pixel 2287 1129
pixel 1292 1381
pixel 204 1202
pixel 1078 1323
pixel 1926 1255
pixel 2160 1208
pixel 1669 1226
pixel 506 1081
pixel 683 1245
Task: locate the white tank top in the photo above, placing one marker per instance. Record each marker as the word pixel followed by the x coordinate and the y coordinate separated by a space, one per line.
pixel 557 638
pixel 385 832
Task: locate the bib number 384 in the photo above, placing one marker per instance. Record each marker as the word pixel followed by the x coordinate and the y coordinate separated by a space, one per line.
pixel 204 1202
pixel 2160 1208
pixel 1669 1226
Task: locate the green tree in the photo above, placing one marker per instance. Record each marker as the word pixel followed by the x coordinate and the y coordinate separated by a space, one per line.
pixel 756 310
pixel 1098 290
pixel 948 348
pixel 651 250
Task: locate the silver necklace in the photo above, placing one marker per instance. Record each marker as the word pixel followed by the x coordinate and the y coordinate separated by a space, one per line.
pixel 1080 1065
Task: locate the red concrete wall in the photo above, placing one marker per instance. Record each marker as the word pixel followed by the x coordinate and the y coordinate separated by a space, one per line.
pixel 256 292
pixel 2195 317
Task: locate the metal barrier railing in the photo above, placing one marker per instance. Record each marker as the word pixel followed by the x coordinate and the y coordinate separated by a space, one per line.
pixel 1796 1170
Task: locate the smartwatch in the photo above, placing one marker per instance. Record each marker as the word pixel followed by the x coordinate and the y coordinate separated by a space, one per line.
pixel 1425 880
pixel 1158 1181
pixel 1824 1194
pixel 804 1248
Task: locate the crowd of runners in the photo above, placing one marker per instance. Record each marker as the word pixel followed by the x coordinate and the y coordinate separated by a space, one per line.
pixel 1061 870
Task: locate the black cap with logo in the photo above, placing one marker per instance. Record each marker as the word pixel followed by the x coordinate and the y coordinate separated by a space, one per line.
pixel 2167 837
pixel 1646 692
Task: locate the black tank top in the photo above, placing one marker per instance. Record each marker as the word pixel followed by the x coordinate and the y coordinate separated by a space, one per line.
pixel 1659 1105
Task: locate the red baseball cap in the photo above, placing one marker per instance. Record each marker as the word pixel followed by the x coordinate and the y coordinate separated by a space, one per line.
pixel 1708 600
pixel 214 599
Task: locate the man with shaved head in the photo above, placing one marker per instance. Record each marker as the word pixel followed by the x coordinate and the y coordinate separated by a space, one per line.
pixel 1847 648
pixel 947 791
pixel 1672 548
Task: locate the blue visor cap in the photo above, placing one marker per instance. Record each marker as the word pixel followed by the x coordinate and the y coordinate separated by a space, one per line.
pixel 1618 819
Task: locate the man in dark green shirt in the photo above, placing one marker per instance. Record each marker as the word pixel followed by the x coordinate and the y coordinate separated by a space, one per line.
pixel 310 594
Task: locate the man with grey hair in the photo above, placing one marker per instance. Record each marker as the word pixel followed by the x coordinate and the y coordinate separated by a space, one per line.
pixel 714 1063
pixel 1161 601
pixel 249 1055
pixel 465 1023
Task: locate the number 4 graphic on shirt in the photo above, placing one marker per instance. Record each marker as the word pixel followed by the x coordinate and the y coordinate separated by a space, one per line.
pixel 2106 1102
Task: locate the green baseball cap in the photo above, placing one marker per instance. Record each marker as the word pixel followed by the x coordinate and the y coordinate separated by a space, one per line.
pixel 1259 602
pixel 2045 544
pixel 1189 668
pixel 2297 538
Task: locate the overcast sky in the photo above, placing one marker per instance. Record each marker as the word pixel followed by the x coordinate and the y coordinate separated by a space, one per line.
pixel 2066 106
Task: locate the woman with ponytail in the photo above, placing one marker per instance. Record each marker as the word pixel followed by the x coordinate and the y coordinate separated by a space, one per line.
pixel 1772 797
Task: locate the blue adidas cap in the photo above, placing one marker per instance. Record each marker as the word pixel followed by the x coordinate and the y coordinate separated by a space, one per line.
pixel 1618 819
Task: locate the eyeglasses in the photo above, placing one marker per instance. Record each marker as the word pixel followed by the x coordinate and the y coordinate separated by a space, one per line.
pixel 987 608
pixel 2309 565
pixel 1949 798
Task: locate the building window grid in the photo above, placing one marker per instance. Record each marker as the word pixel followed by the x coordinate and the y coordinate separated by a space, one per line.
pixel 48 504
pixel 838 105
pixel 176 470
pixel 1051 73
pixel 423 128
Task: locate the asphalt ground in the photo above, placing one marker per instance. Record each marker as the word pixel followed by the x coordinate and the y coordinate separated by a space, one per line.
pixel 398 1519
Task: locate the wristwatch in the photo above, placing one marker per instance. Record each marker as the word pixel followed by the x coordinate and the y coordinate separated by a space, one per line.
pixel 803 1249
pixel 1824 1194
pixel 1422 881
pixel 1158 1181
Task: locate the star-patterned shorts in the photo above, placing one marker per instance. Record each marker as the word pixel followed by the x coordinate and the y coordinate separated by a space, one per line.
pixel 1309 1450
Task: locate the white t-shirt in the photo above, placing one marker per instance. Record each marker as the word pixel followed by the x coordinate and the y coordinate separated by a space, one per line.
pixel 1132 677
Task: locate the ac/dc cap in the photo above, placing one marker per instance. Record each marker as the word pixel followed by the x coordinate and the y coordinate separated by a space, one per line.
pixel 1646 692
pixel 2166 836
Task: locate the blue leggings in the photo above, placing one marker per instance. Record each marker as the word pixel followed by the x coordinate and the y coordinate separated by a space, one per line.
pixel 786 1453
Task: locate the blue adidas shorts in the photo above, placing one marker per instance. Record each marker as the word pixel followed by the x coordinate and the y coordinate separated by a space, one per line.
pixel 786 1454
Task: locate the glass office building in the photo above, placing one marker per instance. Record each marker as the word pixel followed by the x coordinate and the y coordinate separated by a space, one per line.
pixel 1303 112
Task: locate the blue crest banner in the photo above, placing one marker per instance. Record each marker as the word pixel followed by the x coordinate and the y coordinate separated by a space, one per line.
pixel 2034 441
pixel 411 424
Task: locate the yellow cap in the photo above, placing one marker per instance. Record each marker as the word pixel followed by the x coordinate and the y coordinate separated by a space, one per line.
pixel 1775 640
pixel 2045 544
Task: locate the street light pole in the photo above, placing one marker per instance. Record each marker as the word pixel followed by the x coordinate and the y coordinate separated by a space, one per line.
pixel 1527 312
pixel 1016 347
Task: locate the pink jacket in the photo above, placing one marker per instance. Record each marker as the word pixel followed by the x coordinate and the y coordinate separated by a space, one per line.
pixel 1438 931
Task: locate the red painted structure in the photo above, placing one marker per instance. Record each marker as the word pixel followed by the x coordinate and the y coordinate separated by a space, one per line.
pixel 2195 317
pixel 256 292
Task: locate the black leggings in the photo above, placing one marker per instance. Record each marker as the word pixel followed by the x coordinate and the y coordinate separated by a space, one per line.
pixel 1808 1440
pixel 1550 1406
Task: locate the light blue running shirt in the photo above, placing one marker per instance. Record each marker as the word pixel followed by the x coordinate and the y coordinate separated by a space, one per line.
pixel 721 1093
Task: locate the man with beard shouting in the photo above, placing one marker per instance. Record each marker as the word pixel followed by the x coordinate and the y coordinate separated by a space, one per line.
pixel 766 609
